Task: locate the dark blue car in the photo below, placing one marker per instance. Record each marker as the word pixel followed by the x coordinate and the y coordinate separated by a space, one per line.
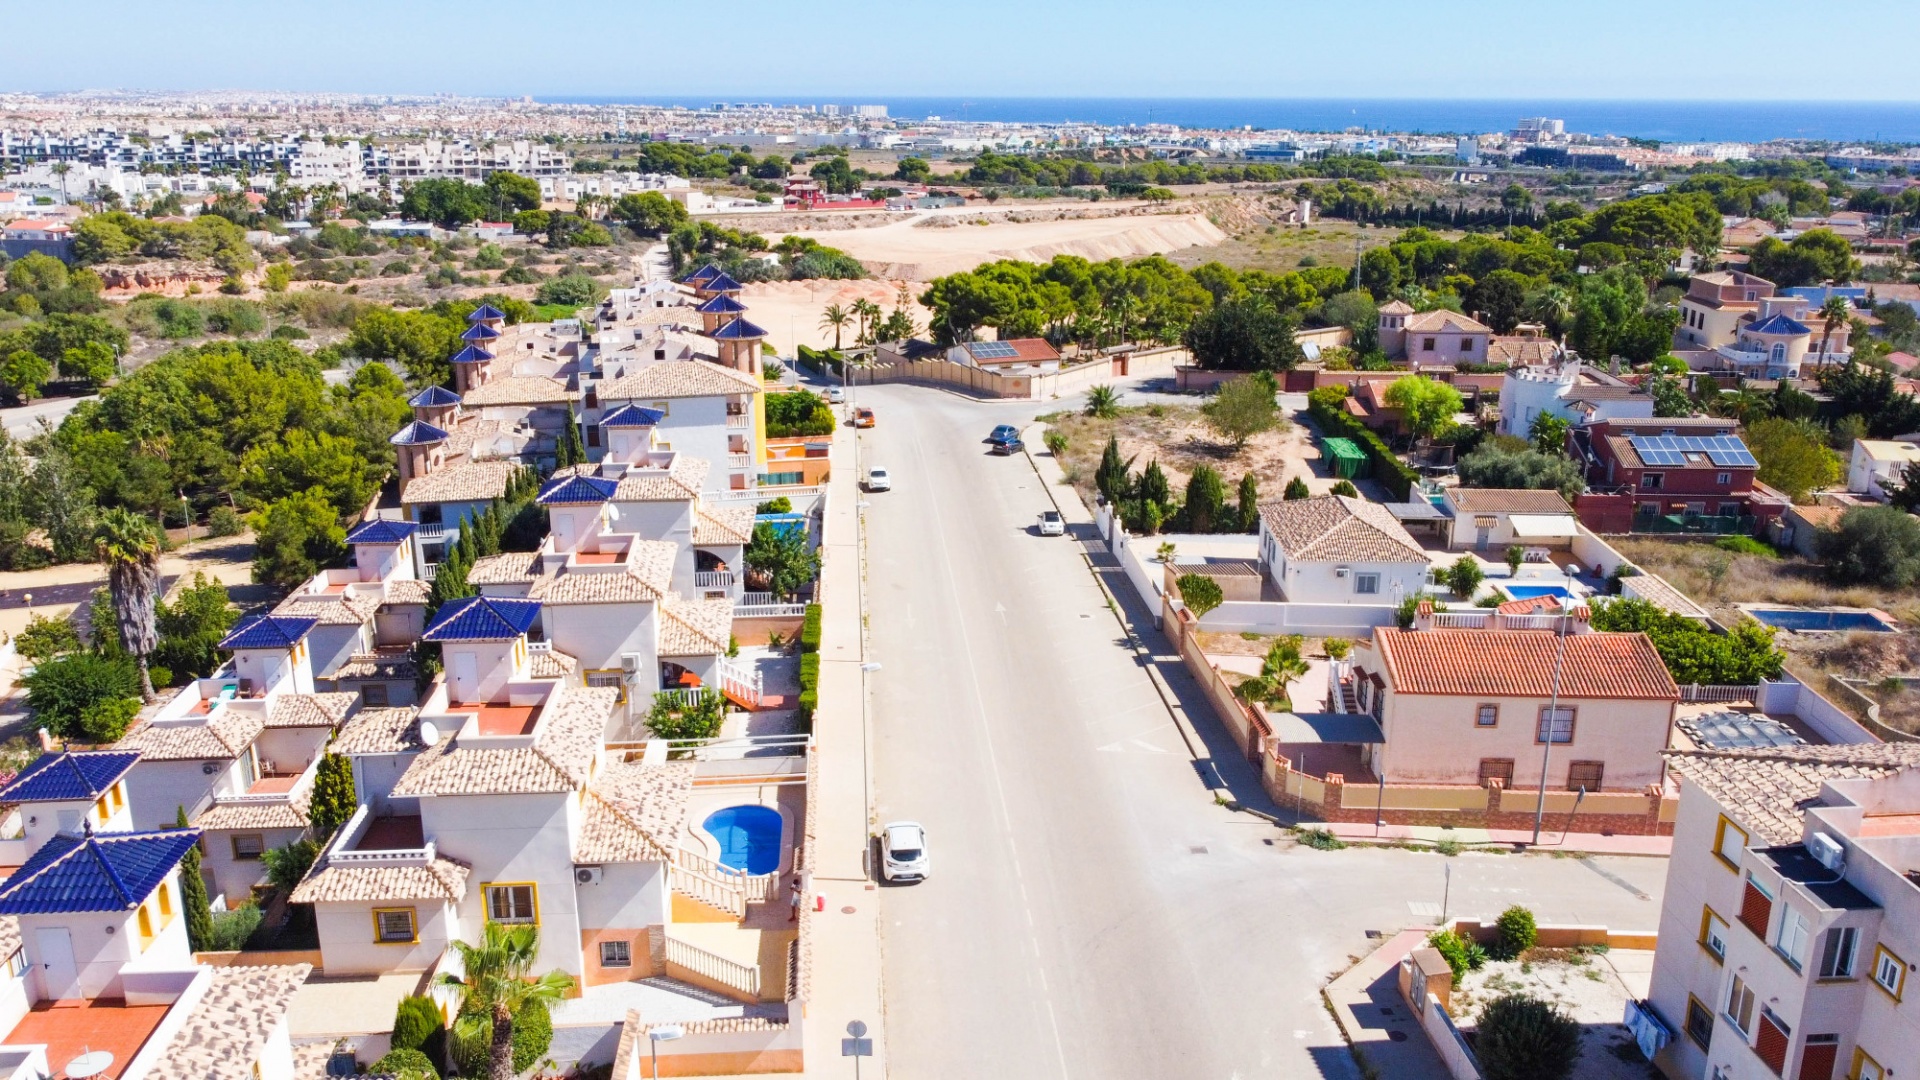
pixel 1004 433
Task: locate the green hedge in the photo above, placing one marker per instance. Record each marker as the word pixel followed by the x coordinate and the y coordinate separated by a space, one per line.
pixel 810 630
pixel 1334 421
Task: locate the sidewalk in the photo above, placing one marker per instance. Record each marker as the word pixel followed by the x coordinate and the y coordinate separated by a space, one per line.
pixel 1367 1005
pixel 846 934
pixel 1551 839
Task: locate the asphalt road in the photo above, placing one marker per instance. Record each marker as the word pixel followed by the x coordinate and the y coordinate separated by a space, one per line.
pixel 1091 912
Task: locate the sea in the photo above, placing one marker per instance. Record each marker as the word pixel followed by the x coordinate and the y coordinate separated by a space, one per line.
pixel 1667 121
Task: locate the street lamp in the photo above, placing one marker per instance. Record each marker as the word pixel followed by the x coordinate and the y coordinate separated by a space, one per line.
pixel 658 1035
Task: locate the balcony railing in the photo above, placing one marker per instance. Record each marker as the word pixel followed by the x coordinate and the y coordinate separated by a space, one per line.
pixel 739 420
pixel 1461 620
pixel 763 611
pixel 713 579
pixel 740 461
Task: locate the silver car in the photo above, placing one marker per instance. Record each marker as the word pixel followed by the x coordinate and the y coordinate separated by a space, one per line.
pixel 1052 524
pixel 903 851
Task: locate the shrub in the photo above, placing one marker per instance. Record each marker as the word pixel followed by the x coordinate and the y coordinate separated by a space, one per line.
pixel 225 521
pixel 1465 576
pixel 231 929
pixel 417 1026
pixel 1746 545
pixel 810 629
pixel 1337 648
pixel 45 638
pixel 778 505
pixel 61 690
pixel 1320 839
pixel 1524 1038
pixel 532 1035
pixel 1296 489
pixel 1516 933
pixel 1461 953
pixel 671 719
pixel 1056 442
pixel 105 721
pixel 403 1064
pixel 1201 593
pixel 1344 487
pixel 1873 545
pixel 1325 406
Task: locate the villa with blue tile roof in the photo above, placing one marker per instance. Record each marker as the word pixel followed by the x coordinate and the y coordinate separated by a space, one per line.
pixel 1743 325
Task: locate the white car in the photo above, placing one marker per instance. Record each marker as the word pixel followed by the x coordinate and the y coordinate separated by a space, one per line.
pixel 1052 524
pixel 878 480
pixel 836 396
pixel 903 851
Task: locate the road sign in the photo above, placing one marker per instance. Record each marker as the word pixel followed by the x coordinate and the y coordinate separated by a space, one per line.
pixel 856 1028
pixel 856 1047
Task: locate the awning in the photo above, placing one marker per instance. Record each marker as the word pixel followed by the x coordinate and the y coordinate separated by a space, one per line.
pixel 1543 526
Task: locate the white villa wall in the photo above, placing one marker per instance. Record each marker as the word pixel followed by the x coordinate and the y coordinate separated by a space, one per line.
pixel 492 669
pixel 290 750
pixel 232 877
pixel 275 670
pixel 597 635
pixel 104 943
pixel 1313 620
pixel 629 896
pixel 41 822
pixel 157 790
pixel 373 778
pixel 518 839
pixel 347 945
pixel 332 644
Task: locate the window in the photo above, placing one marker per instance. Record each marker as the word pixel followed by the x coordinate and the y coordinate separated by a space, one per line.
pixel 664 408
pixel 1837 949
pixel 1756 908
pixel 1790 941
pixel 393 926
pixel 1771 1045
pixel 1889 972
pixel 608 677
pixel 616 954
pixel 1865 1068
pixel 1585 775
pixel 1426 344
pixel 1699 1023
pixel 1713 933
pixel 248 845
pixel 511 904
pixel 117 795
pixel 1723 478
pixel 1496 768
pixel 1740 1005
pixel 1466 346
pixel 1366 584
pixel 1487 716
pixel 1555 723
pixel 1729 842
pixel 166 903
pixel 1652 481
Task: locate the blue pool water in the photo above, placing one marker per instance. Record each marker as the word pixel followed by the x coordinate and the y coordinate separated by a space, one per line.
pixel 749 837
pixel 1802 619
pixel 1528 592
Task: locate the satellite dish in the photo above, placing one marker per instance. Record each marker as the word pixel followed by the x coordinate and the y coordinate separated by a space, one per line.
pixel 429 734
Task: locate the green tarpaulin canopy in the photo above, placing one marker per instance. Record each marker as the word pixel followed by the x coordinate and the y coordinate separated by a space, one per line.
pixel 1345 457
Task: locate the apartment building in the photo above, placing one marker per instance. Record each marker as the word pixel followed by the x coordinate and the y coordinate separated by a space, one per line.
pixel 1788 936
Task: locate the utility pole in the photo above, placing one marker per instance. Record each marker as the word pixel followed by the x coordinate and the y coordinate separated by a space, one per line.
pixel 1552 719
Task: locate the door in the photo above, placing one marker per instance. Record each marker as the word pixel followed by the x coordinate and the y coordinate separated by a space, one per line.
pixel 59 978
pixel 465 670
pixel 274 666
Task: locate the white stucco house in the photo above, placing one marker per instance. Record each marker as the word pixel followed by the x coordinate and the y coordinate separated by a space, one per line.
pixel 1876 463
pixel 1339 550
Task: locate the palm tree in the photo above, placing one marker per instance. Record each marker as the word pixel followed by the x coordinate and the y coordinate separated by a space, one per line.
pixel 494 985
pixel 1103 402
pixel 1283 664
pixel 1835 312
pixel 1550 304
pixel 869 312
pixel 130 547
pixel 835 318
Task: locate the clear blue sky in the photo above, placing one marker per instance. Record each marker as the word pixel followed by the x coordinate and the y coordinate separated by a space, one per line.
pixel 1543 49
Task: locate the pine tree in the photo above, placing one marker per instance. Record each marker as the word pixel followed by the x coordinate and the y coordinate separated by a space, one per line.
pixel 1153 486
pixel 193 893
pixel 1206 499
pixel 1111 478
pixel 1249 503
pixel 334 799
pixel 1296 489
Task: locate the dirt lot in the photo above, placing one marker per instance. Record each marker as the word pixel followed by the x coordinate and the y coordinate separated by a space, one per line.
pixel 1178 438
pixel 1718 581
pixel 1586 986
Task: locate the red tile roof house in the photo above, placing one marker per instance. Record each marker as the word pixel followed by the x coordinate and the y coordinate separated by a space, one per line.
pixel 1709 478
pixel 1018 356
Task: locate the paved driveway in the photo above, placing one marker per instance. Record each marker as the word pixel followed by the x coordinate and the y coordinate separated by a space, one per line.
pixel 1092 913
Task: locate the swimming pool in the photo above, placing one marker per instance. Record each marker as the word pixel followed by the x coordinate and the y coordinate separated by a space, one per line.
pixel 749 837
pixel 1802 620
pixel 1529 592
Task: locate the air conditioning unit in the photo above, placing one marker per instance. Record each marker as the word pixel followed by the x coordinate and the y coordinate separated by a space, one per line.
pixel 587 875
pixel 1828 851
pixel 630 663
pixel 1340 572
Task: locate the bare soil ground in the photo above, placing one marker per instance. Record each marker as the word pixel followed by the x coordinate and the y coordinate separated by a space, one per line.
pixel 1177 437
pixel 1585 986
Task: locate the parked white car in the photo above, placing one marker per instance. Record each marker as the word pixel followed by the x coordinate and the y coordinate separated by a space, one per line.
pixel 1052 524
pixel 879 480
pixel 836 396
pixel 903 851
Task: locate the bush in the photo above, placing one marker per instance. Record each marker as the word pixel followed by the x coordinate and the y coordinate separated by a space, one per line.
pixel 105 721
pixel 673 720
pixel 45 638
pixel 1524 1038
pixel 1296 489
pixel 1461 953
pixel 810 629
pixel 574 290
pixel 1465 576
pixel 1334 421
pixel 231 929
pixel 403 1064
pixel 777 505
pixel 1056 442
pixel 532 1035
pixel 1517 933
pixel 1201 593
pixel 1320 839
pixel 1344 487
pixel 62 690
pixel 1747 545
pixel 225 521
pixel 417 1026
pixel 1873 545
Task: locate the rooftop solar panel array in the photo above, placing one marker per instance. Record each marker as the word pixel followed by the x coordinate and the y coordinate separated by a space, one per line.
pixel 992 350
pixel 1726 451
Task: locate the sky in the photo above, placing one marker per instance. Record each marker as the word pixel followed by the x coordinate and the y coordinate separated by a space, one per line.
pixel 761 49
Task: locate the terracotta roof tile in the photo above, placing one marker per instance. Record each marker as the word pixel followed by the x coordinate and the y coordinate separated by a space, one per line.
pixel 1428 322
pixel 1766 790
pixel 379 664
pixel 342 610
pixel 678 379
pixel 224 735
pixel 550 664
pixel 695 627
pixel 461 481
pixel 1336 528
pixel 1507 501
pixel 506 568
pixel 647 577
pixel 519 390
pixel 718 525
pixel 441 879
pixel 379 731
pixel 407 591
pixel 1519 663
pixel 310 710
pixel 560 759
pixel 228 1028
pixel 635 812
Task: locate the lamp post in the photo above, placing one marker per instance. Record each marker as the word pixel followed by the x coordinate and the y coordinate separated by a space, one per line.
pixel 658 1035
pixel 1552 719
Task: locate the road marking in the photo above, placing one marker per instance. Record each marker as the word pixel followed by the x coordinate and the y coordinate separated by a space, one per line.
pixel 993 761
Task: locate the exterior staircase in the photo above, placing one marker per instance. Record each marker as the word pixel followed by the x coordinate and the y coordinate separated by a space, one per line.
pixel 740 683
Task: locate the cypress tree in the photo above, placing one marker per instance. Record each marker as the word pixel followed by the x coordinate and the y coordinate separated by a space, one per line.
pixel 193 893
pixel 1249 503
pixel 1206 498
pixel 334 798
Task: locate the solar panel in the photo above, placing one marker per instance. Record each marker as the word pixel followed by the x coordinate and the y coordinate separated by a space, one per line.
pixel 1726 451
pixel 1657 450
pixel 992 350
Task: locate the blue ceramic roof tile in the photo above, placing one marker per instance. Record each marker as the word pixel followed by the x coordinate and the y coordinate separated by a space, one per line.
pixel 738 330
pixel 632 416
pixel 382 531
pixel 482 618
pixel 485 313
pixel 417 433
pixel 479 332
pixel 434 397
pixel 472 354
pixel 1779 324
pixel 577 491
pixel 70 776
pixel 721 283
pixel 101 872
pixel 269 632
pixel 722 305
pixel 701 276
